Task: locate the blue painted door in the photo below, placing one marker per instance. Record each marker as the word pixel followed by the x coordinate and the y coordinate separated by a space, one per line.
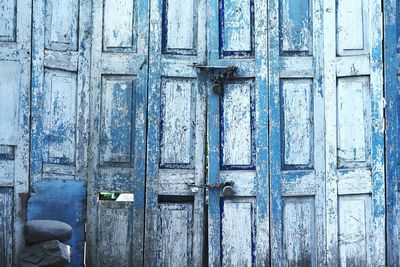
pixel 237 128
pixel 15 58
pixel 297 132
pixel 354 133
pixel 391 48
pixel 174 234
pixel 326 133
pixel 60 86
pixel 117 141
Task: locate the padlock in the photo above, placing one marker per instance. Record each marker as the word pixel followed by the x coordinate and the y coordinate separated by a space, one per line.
pixel 217 88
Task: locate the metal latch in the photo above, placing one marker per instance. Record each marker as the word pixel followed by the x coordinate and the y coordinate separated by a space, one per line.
pixel 219 74
pixel 227 187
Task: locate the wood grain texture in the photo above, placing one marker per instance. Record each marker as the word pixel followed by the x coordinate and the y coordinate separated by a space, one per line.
pixel 295 27
pixel 175 234
pixel 117 141
pixel 236 120
pixel 176 135
pixel 299 234
pixel 6 227
pixel 177 120
pixel 297 132
pixel 342 175
pixel 60 103
pixel 237 245
pixel 237 127
pixel 119 26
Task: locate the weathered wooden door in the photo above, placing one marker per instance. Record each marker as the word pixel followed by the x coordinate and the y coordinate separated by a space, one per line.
pixel 60 86
pixel 176 135
pixel 238 223
pixel 296 132
pixel 326 133
pixel 353 91
pixel 118 132
pixel 15 55
pixel 392 96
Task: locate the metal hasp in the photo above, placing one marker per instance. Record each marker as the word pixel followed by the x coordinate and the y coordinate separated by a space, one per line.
pixel 227 187
pixel 219 74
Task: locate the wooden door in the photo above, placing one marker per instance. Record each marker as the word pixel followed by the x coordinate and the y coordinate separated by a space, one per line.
pixel 326 133
pixel 391 33
pixel 15 55
pixel 176 135
pixel 353 82
pixel 60 97
pixel 296 132
pixel 118 133
pixel 237 128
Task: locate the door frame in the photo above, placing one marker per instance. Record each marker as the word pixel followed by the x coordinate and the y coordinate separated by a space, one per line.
pixel 391 87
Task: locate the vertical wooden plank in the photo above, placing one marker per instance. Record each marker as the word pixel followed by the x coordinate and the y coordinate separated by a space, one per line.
pixel 176 135
pixel 355 167
pixel 354 112
pixel 330 155
pixel 117 138
pixel 352 20
pixel 117 114
pixel 60 97
pixel 238 132
pixel 6 227
pixel 297 132
pixel 391 11
pixel 237 26
pixel 180 20
pixel 9 85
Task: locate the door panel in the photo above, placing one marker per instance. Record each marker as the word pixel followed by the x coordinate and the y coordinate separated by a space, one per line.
pixel 15 50
pixel 176 135
pixel 6 226
pixel 391 10
pixel 118 133
pixel 354 133
pixel 238 229
pixel 296 133
pixel 60 86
